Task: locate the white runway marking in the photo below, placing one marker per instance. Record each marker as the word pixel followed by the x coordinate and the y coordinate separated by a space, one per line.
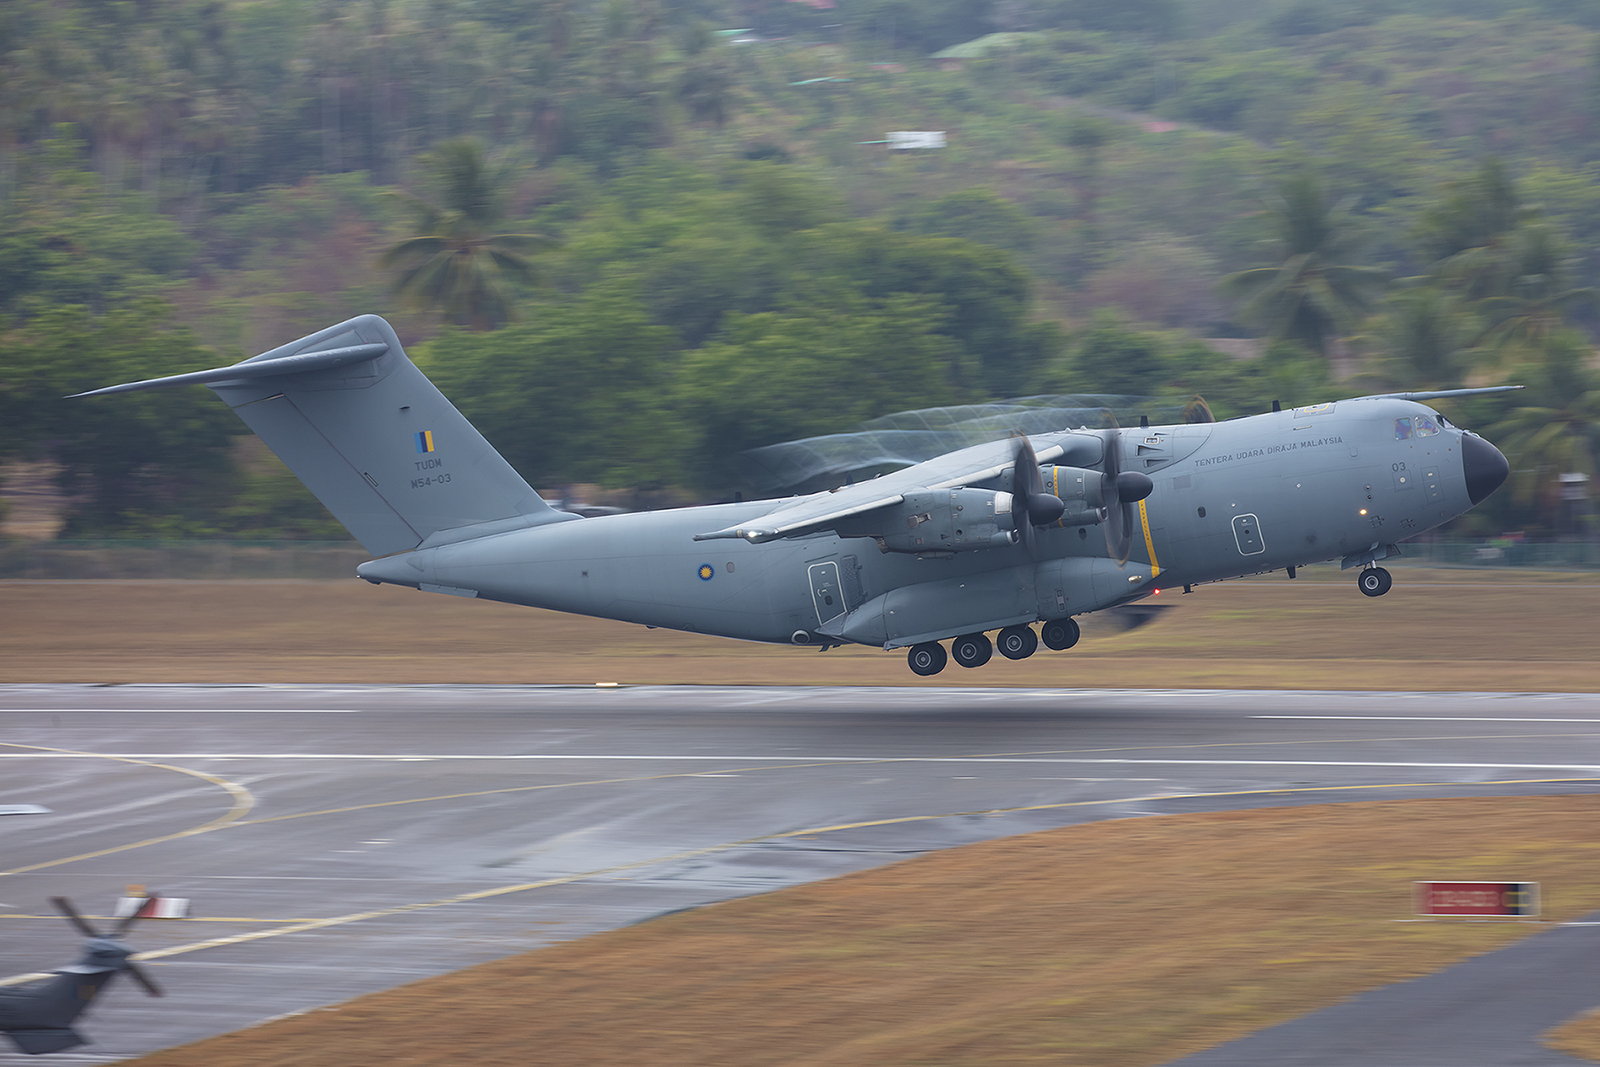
pixel 1421 718
pixel 812 760
pixel 179 711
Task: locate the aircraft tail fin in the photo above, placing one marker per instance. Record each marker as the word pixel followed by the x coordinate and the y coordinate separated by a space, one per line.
pixel 371 437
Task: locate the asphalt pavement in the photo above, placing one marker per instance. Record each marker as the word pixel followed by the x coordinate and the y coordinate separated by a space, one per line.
pixel 335 841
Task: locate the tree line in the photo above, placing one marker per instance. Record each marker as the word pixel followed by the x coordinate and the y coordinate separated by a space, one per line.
pixel 630 248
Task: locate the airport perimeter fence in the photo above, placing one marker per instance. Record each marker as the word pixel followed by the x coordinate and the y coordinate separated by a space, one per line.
pixel 333 560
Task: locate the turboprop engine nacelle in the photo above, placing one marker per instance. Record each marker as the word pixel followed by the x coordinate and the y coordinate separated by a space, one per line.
pixel 1082 492
pixel 939 520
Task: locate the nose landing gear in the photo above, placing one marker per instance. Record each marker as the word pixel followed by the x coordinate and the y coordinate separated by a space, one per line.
pixel 1374 581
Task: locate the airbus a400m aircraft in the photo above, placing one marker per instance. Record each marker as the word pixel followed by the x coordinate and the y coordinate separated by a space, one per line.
pixel 995 537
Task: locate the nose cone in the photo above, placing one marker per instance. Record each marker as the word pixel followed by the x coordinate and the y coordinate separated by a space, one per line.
pixel 1484 466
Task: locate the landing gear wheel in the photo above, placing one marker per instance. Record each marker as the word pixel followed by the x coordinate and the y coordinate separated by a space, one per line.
pixel 927 658
pixel 1375 581
pixel 1017 642
pixel 973 650
pixel 1060 634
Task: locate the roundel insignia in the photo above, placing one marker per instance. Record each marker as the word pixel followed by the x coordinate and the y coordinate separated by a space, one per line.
pixel 707 572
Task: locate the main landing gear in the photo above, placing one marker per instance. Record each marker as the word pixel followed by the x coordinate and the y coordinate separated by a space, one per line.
pixel 974 650
pixel 1374 581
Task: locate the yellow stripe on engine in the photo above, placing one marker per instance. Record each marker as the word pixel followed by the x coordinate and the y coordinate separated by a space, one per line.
pixel 1144 517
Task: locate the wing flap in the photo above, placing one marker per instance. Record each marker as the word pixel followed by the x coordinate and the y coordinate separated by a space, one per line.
pixel 806 518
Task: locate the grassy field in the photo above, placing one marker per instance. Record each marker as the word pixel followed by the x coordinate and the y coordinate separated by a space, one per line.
pixel 1485 630
pixel 1117 944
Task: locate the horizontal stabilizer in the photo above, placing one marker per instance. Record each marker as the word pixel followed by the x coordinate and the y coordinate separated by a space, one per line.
pixel 35 1042
pixel 253 368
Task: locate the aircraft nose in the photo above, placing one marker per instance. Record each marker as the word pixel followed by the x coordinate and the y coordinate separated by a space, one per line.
pixel 1483 465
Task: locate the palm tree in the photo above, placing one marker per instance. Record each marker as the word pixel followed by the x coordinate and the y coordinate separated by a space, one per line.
pixel 457 265
pixel 1311 296
pixel 1557 430
pixel 1535 300
pixel 1425 339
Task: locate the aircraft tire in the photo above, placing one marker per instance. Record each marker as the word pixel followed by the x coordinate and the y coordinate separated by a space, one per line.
pixel 1060 634
pixel 1017 642
pixel 971 650
pixel 927 658
pixel 1375 581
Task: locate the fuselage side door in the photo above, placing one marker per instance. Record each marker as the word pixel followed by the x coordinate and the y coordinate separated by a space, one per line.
pixel 1247 535
pixel 826 592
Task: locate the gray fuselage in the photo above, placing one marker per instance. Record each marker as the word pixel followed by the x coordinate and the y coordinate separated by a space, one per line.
pixel 1341 480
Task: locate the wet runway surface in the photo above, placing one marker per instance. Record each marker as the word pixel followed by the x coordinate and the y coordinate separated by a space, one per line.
pixel 336 841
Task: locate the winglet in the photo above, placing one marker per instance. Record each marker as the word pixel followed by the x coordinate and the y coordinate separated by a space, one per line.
pixel 254 368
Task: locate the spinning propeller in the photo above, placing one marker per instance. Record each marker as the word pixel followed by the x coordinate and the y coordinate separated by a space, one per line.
pixel 107 950
pixel 1119 491
pixel 1030 505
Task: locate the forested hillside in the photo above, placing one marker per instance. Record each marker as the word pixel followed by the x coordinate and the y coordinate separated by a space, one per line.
pixel 631 238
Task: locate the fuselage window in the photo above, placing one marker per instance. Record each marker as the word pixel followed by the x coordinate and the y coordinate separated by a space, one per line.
pixel 1402 429
pixel 1426 427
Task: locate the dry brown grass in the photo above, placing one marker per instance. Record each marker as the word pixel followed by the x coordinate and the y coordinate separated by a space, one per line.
pixel 1436 630
pixel 1111 944
pixel 1581 1037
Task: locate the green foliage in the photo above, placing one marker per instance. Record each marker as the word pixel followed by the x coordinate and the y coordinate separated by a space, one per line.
pixel 777 376
pixel 1109 358
pixel 578 394
pixel 738 232
pixel 142 462
pixel 975 214
pixel 1310 296
pixel 1554 427
pixel 456 265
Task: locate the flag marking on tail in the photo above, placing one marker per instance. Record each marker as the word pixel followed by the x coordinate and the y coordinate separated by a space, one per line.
pixel 424 442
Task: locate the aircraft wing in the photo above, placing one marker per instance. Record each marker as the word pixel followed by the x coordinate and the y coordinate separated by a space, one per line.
pixel 821 511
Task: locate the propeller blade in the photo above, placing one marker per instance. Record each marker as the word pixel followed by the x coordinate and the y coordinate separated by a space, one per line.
pixel 137 974
pixel 133 916
pixel 1119 523
pixel 64 906
pixel 1031 506
pixel 1022 463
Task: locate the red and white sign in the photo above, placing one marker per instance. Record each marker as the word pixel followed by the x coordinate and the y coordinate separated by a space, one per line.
pixel 152 907
pixel 1477 898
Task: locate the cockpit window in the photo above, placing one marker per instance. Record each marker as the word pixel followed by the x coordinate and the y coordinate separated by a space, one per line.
pixel 1402 429
pixel 1444 421
pixel 1426 427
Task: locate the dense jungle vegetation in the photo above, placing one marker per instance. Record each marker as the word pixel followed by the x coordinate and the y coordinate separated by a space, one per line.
pixel 630 238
